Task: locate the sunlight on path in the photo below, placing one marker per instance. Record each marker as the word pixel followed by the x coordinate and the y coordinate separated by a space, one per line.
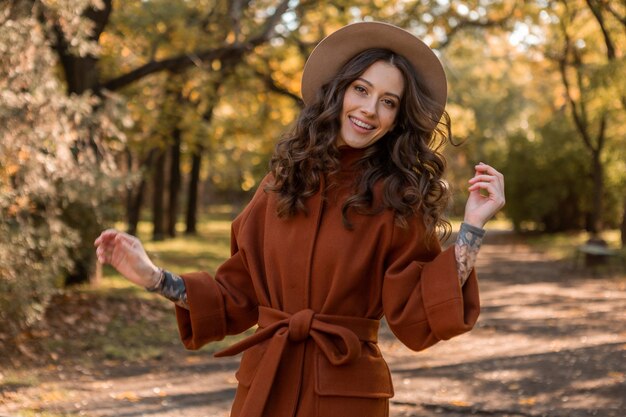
pixel 550 341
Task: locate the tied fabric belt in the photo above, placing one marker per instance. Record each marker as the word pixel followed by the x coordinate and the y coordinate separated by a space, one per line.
pixel 282 327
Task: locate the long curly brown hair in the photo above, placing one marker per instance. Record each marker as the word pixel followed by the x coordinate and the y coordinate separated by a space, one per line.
pixel 407 159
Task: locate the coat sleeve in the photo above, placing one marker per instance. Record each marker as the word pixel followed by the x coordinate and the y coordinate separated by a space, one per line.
pixel 422 298
pixel 225 303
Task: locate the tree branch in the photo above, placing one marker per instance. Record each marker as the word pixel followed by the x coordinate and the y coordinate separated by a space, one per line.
pixel 100 18
pixel 270 24
pixel 466 23
pixel 610 9
pixel 577 118
pixel 597 13
pixel 610 48
pixel 229 53
pixel 174 64
pixel 273 86
pixel 601 132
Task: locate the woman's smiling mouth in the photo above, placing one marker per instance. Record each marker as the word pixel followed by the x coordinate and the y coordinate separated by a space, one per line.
pixel 360 123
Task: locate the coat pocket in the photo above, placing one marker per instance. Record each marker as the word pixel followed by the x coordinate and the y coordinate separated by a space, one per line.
pixel 361 388
pixel 365 377
pixel 250 363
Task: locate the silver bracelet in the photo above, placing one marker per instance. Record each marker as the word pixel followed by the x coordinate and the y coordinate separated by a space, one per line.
pixel 157 285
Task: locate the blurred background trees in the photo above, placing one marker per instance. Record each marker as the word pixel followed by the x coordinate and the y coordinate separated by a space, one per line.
pixel 154 110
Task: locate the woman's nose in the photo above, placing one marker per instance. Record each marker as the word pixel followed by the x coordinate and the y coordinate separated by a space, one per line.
pixel 368 107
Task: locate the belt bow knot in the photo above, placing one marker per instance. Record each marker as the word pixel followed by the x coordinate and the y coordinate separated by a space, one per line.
pixel 300 325
pixel 282 328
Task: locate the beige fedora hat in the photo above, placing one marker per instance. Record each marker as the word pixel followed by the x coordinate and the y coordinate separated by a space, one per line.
pixel 337 48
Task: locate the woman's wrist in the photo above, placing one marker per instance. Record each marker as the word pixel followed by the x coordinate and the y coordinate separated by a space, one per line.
pixel 472 228
pixel 172 287
pixel 474 222
pixel 466 249
pixel 156 278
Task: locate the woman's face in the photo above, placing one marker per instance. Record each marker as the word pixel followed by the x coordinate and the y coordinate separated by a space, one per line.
pixel 370 105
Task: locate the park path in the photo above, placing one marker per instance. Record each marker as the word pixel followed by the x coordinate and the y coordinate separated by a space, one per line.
pixel 551 341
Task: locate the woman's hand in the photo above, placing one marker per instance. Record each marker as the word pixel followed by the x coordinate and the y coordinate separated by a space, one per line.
pixel 126 254
pixel 480 207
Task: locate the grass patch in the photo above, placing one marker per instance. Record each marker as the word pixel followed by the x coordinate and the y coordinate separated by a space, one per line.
pixel 497 223
pixel 40 413
pixel 563 245
pixel 117 321
pixel 13 381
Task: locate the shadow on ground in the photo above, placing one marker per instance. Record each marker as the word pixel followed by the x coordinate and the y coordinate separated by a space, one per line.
pixel 551 341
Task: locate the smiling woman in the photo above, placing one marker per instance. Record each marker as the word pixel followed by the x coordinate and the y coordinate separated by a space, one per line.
pixel 370 105
pixel 341 232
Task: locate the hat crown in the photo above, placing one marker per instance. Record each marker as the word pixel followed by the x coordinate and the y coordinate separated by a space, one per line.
pixel 336 49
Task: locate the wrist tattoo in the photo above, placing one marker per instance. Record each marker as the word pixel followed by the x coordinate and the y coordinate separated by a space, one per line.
pixel 172 287
pixel 466 250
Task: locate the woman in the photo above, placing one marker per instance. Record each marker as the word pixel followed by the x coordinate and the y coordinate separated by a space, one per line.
pixel 342 232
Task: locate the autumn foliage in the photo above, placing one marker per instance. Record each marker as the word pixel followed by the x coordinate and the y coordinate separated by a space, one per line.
pixel 54 181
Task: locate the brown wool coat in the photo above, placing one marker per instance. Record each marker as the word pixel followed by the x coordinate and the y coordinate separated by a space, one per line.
pixel 317 291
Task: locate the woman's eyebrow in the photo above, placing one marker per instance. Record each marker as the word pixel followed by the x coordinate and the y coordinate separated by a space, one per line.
pixel 372 85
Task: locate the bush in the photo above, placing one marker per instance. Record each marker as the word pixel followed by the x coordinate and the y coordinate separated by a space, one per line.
pixel 548 180
pixel 54 190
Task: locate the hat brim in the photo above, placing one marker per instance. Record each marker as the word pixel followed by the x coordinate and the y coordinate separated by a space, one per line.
pixel 335 50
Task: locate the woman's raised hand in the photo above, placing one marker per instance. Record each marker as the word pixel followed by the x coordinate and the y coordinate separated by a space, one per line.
pixel 126 254
pixel 480 207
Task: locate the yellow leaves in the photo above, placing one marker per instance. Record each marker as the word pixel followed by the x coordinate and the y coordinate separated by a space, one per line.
pixel 527 401
pixel 53 396
pixel 12 169
pixel 161 27
pixel 23 155
pixel 193 360
pixel 465 119
pixel 126 52
pixel 20 203
pixel 194 96
pixel 248 181
pixel 126 396
pixel 133 397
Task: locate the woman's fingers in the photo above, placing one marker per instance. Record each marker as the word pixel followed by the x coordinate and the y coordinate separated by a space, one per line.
pixel 483 178
pixel 486 179
pixel 105 236
pixel 484 169
pixel 109 244
pixel 483 185
pixel 494 191
pixel 490 180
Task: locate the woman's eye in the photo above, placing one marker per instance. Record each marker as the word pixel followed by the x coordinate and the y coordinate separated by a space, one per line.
pixel 359 89
pixel 389 102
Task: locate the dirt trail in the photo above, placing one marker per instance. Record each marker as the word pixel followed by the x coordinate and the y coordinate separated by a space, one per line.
pixel 551 341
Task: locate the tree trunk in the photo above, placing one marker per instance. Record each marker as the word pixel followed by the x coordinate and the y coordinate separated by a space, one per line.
pixel 134 208
pixel 137 195
pixel 623 228
pixel 129 191
pixel 158 232
pixel 192 193
pixel 598 191
pixel 81 72
pixel 175 182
